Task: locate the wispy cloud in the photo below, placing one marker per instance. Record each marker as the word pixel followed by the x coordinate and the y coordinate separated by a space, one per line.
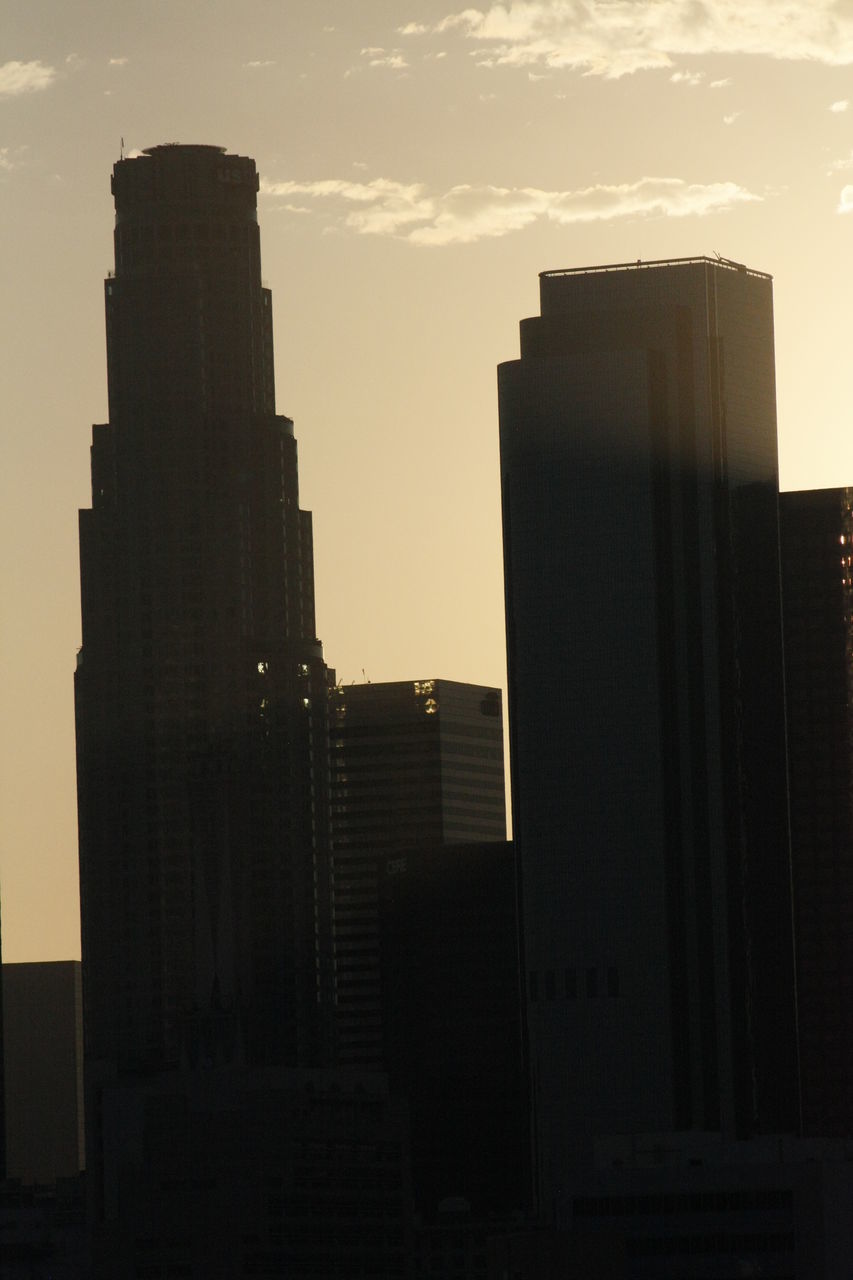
pixel 119 62
pixel 24 77
pixel 846 162
pixel 841 105
pixel 260 62
pixel 845 200
pixel 617 37
pixel 731 117
pixel 378 57
pixel 5 160
pixel 464 214
pixel 687 77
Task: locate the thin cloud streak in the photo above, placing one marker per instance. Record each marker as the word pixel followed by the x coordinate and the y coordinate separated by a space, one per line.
pixel 613 38
pixel 465 214
pixel 24 77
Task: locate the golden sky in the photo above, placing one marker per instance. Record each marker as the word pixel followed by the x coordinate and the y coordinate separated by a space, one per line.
pixel 420 164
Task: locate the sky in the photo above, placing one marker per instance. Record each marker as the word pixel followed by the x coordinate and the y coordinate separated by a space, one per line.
pixel 420 163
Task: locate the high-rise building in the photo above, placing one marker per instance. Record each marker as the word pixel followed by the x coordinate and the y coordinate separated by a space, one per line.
pixel 412 762
pixel 200 686
pixel 816 529
pixel 451 1022
pixel 42 1051
pixel 647 732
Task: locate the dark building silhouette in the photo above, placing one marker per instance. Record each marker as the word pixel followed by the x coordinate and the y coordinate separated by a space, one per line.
pixel 200 687
pixel 817 594
pixel 412 761
pixel 263 1172
pixel 43 1061
pixel 639 481
pixel 451 1019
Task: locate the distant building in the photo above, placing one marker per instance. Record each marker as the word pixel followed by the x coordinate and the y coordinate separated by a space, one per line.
pixel 817 595
pixel 413 761
pixel 224 1174
pixel 451 1019
pixel 43 1061
pixel 646 707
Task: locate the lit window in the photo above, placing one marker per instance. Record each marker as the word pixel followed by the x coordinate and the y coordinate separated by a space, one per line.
pixel 263 667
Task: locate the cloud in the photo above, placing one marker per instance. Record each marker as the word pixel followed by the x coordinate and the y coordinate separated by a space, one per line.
pixel 687 77
pixel 730 119
pixel 413 29
pixel 119 62
pixel 465 214
pixel 393 60
pixel 720 84
pixel 846 162
pixel 260 62
pixel 613 38
pixel 845 200
pixel 384 57
pixel 24 77
pixel 841 105
pixel 5 160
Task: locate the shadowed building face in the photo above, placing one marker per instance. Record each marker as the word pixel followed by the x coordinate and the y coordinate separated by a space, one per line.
pixel 639 475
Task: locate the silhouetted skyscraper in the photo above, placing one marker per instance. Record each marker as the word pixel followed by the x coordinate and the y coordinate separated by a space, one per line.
pixel 413 762
pixel 639 474
pixel 200 685
pixel 817 597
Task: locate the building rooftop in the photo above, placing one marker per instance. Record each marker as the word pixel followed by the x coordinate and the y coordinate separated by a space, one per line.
pixel 725 263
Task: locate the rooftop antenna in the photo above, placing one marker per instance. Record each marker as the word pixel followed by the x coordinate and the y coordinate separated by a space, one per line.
pixel 121 153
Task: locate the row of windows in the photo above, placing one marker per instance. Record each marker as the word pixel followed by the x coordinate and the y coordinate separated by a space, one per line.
pixel 761 1199
pixel 721 1242
pixel 588 982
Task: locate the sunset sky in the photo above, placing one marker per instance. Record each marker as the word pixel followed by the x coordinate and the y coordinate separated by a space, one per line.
pixel 420 164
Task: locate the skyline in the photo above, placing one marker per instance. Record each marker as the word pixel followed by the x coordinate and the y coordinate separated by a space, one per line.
pixel 414 183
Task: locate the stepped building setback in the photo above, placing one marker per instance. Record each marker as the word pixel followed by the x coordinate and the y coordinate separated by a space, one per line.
pixel 201 690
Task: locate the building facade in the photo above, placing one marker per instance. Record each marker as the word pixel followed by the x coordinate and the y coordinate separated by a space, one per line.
pixel 200 685
pixel 639 486
pixel 43 1065
pixel 412 762
pixel 816 529
pixel 451 1023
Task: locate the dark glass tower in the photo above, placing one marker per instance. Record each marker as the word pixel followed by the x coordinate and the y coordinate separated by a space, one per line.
pixel 647 733
pixel 817 594
pixel 200 685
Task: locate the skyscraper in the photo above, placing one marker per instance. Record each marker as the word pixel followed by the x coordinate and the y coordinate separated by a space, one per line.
pixel 413 762
pixel 816 529
pixel 639 482
pixel 200 684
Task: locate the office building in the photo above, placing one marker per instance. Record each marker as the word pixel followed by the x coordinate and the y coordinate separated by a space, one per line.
pixel 647 739
pixel 412 762
pixel 201 694
pixel 43 1066
pixel 451 1023
pixel 256 1172
pixel 816 528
